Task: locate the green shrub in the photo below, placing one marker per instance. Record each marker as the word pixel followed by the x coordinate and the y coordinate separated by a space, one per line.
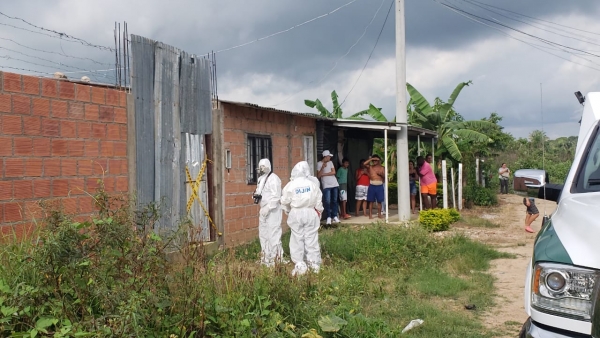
pixel 454 215
pixel 480 196
pixel 438 219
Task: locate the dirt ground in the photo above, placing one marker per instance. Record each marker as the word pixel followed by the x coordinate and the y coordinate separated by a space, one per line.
pixel 508 315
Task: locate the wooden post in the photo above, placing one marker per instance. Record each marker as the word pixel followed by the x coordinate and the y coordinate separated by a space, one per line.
pixel 477 171
pixel 385 191
pixel 453 191
pixel 419 187
pixel 444 183
pixel 460 186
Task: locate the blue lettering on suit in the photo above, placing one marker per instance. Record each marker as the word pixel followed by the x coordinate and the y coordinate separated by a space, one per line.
pixel 302 190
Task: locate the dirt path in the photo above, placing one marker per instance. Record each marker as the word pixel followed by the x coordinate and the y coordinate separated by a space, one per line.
pixel 508 315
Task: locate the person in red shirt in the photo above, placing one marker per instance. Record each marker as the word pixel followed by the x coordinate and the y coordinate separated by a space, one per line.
pixel 428 183
pixel 362 187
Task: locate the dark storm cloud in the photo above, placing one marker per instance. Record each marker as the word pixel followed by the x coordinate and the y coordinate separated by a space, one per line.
pixel 303 55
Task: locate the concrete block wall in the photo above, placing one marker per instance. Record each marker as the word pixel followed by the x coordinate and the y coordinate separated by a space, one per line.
pixel 57 138
pixel 286 131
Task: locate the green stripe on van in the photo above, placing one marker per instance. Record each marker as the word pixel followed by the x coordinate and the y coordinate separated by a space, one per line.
pixel 549 248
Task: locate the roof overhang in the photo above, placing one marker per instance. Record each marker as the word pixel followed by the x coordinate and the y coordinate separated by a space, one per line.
pixel 391 127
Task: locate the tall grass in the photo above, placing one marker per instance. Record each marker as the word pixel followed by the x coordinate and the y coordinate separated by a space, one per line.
pixel 111 276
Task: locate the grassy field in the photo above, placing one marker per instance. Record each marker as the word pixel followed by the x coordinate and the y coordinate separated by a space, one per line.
pixel 111 277
pixel 378 278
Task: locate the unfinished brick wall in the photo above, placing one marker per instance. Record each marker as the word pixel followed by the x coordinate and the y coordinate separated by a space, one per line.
pixel 57 138
pixel 286 131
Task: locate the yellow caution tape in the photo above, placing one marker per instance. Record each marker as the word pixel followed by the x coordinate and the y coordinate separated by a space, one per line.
pixel 195 185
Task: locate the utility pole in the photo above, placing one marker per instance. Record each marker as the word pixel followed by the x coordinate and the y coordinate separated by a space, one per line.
pixel 401 116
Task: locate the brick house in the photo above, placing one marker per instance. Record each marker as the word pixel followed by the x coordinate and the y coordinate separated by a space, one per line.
pixel 244 133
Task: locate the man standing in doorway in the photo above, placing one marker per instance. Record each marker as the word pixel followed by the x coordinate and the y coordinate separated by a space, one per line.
pixel 376 178
pixel 329 183
pixel 504 175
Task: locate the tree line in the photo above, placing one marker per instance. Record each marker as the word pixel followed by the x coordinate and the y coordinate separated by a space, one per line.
pixel 461 141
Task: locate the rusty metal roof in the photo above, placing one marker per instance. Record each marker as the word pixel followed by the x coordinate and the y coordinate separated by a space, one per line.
pixel 412 130
pixel 255 106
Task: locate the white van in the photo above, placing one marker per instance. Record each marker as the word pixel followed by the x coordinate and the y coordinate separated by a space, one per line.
pixel 562 281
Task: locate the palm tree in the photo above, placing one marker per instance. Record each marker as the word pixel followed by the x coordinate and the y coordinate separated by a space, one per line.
pixel 337 112
pixel 537 139
pixel 449 125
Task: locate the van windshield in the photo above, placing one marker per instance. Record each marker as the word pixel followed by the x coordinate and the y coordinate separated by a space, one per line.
pixel 588 176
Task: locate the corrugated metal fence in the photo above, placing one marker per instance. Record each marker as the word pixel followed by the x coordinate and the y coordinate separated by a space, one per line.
pixel 173 111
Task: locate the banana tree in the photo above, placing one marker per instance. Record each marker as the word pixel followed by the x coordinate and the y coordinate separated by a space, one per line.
pixel 452 130
pixel 337 112
pixel 375 113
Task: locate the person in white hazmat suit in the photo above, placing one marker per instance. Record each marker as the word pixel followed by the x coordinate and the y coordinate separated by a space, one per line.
pixel 302 200
pixel 268 188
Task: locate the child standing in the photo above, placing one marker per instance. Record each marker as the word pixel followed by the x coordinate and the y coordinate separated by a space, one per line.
pixel 342 177
pixel 531 214
pixel 362 187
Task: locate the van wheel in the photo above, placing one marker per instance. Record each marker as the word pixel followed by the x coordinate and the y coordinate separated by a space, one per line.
pixel 525 328
pixel 522 332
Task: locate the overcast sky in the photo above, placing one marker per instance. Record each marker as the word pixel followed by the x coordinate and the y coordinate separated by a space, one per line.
pixel 443 49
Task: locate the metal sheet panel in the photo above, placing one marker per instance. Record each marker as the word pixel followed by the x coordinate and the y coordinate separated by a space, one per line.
pixel 196 112
pixel 195 153
pixel 172 94
pixel 142 74
pixel 166 98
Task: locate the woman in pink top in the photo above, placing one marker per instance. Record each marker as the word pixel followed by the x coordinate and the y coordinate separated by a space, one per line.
pixel 428 183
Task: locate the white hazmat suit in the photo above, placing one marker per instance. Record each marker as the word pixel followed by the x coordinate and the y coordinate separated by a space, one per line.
pixel 269 221
pixel 303 201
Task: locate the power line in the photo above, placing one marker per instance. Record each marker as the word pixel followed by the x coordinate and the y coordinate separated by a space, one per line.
pixel 534 18
pixel 550 44
pixel 463 13
pixel 538 47
pixel 61 35
pixel 372 50
pixel 339 59
pixel 515 15
pixel 286 30
pixel 518 30
pixel 587 39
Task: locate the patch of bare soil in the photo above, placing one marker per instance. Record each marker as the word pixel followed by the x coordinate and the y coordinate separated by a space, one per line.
pixel 510 236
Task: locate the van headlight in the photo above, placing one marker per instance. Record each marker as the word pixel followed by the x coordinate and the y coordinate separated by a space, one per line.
pixel 563 290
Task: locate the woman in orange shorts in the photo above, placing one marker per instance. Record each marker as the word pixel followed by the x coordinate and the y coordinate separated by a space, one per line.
pixel 428 183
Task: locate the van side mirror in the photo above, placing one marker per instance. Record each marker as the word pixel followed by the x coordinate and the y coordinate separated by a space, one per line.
pixel 552 192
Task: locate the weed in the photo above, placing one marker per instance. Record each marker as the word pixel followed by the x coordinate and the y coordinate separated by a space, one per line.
pixel 512 323
pixel 111 276
pixel 478 222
